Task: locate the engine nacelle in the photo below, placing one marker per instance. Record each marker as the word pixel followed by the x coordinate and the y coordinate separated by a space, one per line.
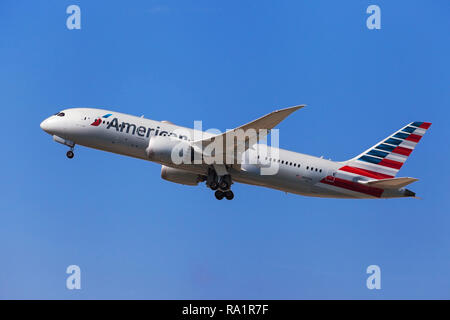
pixel 180 176
pixel 169 150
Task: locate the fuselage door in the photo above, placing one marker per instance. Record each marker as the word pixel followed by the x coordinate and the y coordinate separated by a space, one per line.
pixel 331 175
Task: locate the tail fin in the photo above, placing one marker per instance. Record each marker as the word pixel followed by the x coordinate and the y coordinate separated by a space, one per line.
pixel 385 159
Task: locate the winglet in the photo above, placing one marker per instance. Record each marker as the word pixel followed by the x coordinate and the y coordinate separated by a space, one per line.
pixel 272 119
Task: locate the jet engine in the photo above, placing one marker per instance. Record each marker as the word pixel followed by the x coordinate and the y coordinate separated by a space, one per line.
pixel 170 150
pixel 180 176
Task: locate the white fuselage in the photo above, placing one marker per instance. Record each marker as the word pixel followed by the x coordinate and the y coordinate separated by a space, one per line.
pixel 130 135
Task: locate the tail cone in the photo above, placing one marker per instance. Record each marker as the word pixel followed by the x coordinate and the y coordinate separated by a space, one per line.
pixel 409 193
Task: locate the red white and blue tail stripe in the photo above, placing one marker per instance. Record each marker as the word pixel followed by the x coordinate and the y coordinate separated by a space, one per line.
pixel 385 159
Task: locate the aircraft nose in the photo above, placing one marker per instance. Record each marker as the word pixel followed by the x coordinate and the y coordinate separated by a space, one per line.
pixel 45 126
pixel 49 125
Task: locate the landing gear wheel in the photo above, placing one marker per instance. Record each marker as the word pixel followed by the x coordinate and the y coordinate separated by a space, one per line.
pixel 219 195
pixel 70 154
pixel 224 185
pixel 229 195
pixel 225 182
pixel 214 185
pixel 212 179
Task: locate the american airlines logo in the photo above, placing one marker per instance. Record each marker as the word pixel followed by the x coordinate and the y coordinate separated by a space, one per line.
pixel 97 121
pixel 133 129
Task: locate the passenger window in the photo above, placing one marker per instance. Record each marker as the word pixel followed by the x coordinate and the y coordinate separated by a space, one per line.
pixel 307 168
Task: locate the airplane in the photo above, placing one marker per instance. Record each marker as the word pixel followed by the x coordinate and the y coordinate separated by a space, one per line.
pixel 369 175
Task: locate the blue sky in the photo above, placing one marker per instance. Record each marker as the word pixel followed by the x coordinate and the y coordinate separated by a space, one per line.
pixel 136 236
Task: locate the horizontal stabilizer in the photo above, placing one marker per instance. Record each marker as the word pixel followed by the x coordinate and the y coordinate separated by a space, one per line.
pixel 395 183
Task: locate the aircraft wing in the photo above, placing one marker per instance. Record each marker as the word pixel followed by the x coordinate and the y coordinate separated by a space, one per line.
pixel 394 183
pixel 266 122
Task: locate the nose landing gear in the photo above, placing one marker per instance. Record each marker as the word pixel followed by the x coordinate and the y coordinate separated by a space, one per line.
pixel 65 142
pixel 70 154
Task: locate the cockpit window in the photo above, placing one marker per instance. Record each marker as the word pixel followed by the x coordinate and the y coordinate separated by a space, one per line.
pixel 60 114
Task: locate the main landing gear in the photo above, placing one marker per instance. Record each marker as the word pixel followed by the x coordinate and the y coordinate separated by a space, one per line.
pixel 220 184
pixel 229 195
